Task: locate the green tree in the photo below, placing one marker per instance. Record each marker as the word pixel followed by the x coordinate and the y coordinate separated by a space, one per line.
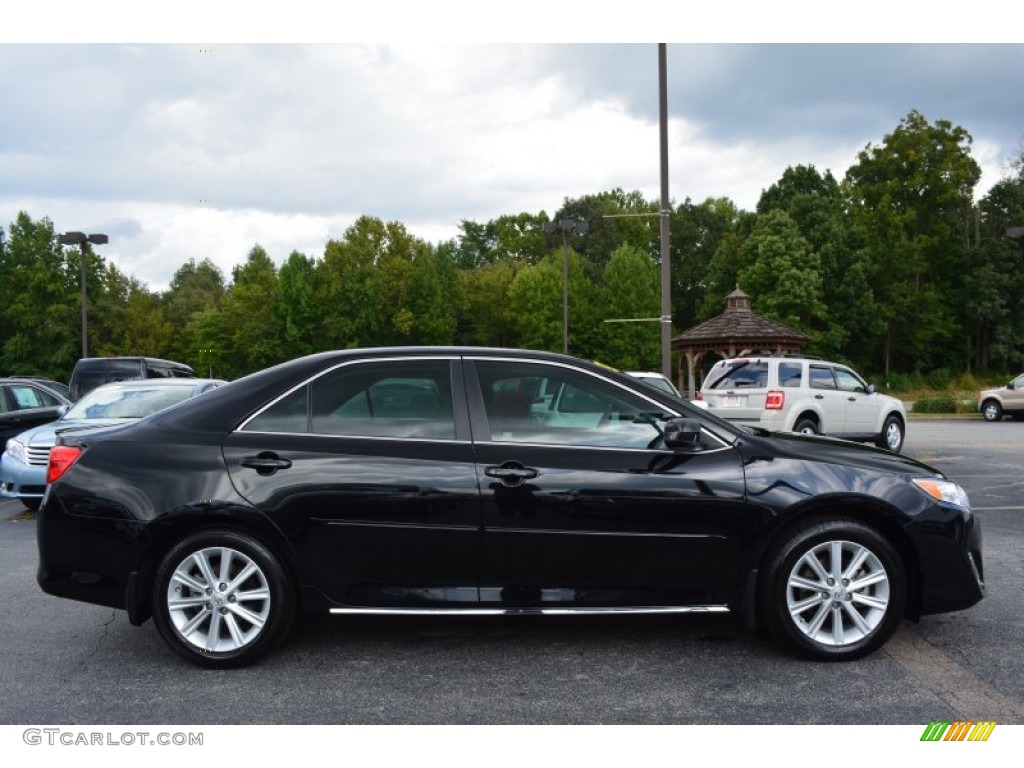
pixel 194 288
pixel 913 195
pixel 631 288
pixel 535 298
pixel 783 273
pixel 296 314
pixel 41 320
pixel 248 315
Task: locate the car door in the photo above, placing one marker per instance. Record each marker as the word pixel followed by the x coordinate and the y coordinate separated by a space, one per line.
pixel 23 406
pixel 582 507
pixel 862 416
pixel 831 402
pixel 369 470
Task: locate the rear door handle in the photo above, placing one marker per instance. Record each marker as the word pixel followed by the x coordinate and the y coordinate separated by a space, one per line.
pixel 266 463
pixel 511 473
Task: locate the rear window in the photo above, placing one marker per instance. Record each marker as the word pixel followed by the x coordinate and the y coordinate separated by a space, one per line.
pixel 739 374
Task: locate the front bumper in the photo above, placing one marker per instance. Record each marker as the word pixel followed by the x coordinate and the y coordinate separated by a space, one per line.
pixel 19 480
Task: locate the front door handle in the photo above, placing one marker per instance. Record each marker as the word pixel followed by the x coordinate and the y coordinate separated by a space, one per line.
pixel 511 473
pixel 266 463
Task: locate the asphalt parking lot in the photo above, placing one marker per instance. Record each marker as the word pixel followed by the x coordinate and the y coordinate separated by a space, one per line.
pixel 69 663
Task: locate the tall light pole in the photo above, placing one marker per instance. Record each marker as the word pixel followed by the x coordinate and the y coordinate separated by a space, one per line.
pixel 80 239
pixel 566 226
pixel 666 212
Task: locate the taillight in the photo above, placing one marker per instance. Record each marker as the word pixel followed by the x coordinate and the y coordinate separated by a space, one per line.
pixel 775 400
pixel 700 395
pixel 61 459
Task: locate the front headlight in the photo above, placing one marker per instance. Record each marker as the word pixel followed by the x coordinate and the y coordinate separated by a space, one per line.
pixel 943 490
pixel 16 450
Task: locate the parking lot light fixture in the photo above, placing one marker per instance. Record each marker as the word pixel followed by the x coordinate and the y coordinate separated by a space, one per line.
pixel 80 239
pixel 565 226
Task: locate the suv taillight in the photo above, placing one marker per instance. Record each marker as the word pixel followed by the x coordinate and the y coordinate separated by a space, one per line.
pixel 61 459
pixel 776 400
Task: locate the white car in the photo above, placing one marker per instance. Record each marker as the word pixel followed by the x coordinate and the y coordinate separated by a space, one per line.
pixel 657 380
pixel 793 394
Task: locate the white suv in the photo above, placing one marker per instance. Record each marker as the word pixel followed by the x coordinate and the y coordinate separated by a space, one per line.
pixel 794 394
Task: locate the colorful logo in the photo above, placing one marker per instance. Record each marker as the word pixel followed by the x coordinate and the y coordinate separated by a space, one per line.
pixel 959 730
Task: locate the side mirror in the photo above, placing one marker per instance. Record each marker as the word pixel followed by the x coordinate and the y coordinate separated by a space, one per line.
pixel 871 389
pixel 1010 386
pixel 682 434
pixel 62 410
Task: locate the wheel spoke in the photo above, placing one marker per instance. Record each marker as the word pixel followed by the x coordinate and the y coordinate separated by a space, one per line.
pixel 798 608
pixel 183 577
pixel 856 563
pixel 180 603
pixel 856 618
pixel 234 584
pixel 818 620
pixel 225 566
pixel 878 577
pixel 871 602
pixel 193 624
pixel 245 613
pixel 811 560
pixel 236 633
pixel 254 594
pixel 799 582
pixel 838 634
pixel 199 558
pixel 836 559
pixel 213 635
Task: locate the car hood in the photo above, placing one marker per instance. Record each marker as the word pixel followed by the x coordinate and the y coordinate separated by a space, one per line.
pixel 993 391
pixel 833 450
pixel 45 436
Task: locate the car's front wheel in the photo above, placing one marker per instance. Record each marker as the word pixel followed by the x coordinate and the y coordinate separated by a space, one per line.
pixel 991 410
pixel 222 599
pixel 833 590
pixel 892 434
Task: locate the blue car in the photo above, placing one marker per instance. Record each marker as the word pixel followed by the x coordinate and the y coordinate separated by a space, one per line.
pixel 23 463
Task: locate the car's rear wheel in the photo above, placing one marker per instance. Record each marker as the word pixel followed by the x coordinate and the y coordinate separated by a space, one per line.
pixel 833 590
pixel 892 434
pixel 806 426
pixel 222 599
pixel 991 410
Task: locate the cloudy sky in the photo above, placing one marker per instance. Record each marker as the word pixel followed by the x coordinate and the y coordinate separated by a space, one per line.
pixel 182 148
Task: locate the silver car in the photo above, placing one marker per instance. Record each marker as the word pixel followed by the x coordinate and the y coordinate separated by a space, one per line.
pixel 1004 401
pixel 23 464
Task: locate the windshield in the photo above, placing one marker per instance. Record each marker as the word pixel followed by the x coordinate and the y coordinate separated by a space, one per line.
pixel 120 402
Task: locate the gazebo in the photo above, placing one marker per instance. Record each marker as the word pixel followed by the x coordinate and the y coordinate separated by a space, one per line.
pixel 735 332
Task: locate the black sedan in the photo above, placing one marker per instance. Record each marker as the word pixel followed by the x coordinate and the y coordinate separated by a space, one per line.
pixel 485 481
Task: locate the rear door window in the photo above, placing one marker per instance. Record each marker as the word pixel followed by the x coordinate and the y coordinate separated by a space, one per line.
pixel 791 374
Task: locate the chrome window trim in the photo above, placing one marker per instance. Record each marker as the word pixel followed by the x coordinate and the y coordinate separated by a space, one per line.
pixel 363 360
pixel 491 441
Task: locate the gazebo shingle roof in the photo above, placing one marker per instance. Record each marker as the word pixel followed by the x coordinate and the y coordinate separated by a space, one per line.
pixel 739 327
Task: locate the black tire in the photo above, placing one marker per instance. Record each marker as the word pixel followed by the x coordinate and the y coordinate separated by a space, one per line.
pixel 991 410
pixel 807 426
pixel 254 612
pixel 893 434
pixel 833 622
